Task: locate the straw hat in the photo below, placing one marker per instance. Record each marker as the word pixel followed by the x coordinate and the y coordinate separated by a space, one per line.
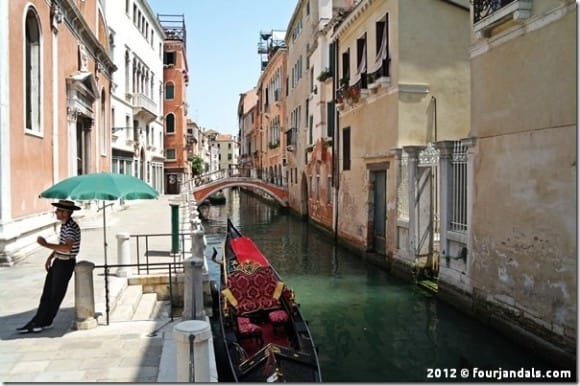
pixel 66 204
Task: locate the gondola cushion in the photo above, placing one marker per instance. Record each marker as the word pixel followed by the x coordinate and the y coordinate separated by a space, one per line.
pixel 278 317
pixel 257 291
pixel 245 327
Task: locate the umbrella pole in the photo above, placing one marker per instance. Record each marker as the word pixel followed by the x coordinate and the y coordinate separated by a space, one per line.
pixel 106 263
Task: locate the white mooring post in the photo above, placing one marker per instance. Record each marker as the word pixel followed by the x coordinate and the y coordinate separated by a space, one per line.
pixel 84 296
pixel 192 341
pixel 123 254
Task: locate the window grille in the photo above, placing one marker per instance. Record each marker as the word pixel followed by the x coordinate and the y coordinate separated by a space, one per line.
pixel 459 188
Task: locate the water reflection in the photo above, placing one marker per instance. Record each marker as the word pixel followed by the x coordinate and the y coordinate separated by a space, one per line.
pixel 369 326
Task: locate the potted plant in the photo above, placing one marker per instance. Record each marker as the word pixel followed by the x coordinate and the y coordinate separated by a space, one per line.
pixel 324 74
pixel 353 94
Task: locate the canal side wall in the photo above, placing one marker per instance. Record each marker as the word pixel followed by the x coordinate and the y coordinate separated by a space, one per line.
pixel 513 323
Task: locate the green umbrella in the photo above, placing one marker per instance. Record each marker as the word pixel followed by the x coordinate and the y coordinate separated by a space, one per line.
pixel 101 186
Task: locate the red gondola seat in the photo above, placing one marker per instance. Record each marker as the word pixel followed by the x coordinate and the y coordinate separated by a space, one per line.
pixel 249 330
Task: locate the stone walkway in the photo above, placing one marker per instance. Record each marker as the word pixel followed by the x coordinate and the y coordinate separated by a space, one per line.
pixel 124 351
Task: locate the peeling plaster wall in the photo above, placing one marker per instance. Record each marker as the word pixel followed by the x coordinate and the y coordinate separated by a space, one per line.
pixel 524 243
pixel 524 254
pixel 320 199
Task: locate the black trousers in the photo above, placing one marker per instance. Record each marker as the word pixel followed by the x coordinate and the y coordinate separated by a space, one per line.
pixel 55 286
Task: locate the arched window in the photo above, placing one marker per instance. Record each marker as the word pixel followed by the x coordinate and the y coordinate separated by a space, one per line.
pixel 32 71
pixel 169 91
pixel 170 124
pixel 127 72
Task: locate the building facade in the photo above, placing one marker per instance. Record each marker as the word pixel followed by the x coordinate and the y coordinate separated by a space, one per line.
pixel 521 260
pixel 228 153
pixel 271 89
pixel 136 39
pixel 247 122
pixel 395 100
pixel 176 79
pixel 322 120
pixel 55 81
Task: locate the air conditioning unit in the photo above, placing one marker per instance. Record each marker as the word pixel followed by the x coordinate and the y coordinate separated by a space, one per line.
pixel 290 148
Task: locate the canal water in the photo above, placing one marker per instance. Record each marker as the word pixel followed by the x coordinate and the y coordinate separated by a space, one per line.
pixel 368 325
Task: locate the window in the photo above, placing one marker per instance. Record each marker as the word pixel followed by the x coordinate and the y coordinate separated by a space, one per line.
pixel 169 91
pixel 170 124
pixel 170 154
pixel 381 63
pixel 169 58
pixel 127 71
pixel 310 127
pixel 330 108
pixel 33 79
pixel 346 148
pixel 458 177
pixel 346 65
pixel 361 60
pixel 332 58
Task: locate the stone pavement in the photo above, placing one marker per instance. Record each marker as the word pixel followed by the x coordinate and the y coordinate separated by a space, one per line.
pixel 124 351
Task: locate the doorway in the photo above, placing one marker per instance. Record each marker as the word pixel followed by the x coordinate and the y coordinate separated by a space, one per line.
pixel 379 210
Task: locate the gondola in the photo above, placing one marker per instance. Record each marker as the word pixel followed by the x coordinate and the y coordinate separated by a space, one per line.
pixel 217 198
pixel 260 334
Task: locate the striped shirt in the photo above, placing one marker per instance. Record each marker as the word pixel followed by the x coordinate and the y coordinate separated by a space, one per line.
pixel 69 230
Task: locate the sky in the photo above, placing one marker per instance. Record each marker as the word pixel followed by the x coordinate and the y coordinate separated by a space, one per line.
pixel 222 52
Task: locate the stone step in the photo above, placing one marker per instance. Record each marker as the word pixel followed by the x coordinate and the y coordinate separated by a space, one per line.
pixel 145 307
pixel 162 310
pixel 117 287
pixel 127 304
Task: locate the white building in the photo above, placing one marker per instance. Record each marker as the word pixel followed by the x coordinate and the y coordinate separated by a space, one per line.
pixel 228 152
pixel 136 39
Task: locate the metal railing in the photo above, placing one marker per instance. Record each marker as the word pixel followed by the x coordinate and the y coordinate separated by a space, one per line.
pixel 144 240
pixel 484 8
pixel 165 267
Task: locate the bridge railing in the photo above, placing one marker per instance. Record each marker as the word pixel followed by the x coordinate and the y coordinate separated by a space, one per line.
pixel 206 178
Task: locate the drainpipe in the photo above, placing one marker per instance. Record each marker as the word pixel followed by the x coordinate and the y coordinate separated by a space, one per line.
pixel 336 144
pixel 434 100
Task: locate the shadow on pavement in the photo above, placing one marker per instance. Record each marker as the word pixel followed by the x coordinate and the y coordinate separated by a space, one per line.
pixel 62 324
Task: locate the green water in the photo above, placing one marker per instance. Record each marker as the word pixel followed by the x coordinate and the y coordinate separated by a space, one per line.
pixel 368 325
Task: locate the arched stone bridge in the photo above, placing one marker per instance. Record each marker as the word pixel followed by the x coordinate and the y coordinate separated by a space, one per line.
pixel 202 192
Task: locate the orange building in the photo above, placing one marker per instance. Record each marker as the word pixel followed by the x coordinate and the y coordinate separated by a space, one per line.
pixel 55 81
pixel 175 79
pixel 272 121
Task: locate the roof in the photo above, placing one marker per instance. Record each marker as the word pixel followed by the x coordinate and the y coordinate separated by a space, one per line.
pixel 250 100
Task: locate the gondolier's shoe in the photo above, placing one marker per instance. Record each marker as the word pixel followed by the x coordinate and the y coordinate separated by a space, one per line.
pixel 28 328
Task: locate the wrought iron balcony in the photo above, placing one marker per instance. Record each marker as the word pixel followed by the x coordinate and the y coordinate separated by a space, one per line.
pixel 488 13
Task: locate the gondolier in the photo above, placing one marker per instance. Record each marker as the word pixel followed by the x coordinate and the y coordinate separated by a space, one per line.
pixel 59 266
